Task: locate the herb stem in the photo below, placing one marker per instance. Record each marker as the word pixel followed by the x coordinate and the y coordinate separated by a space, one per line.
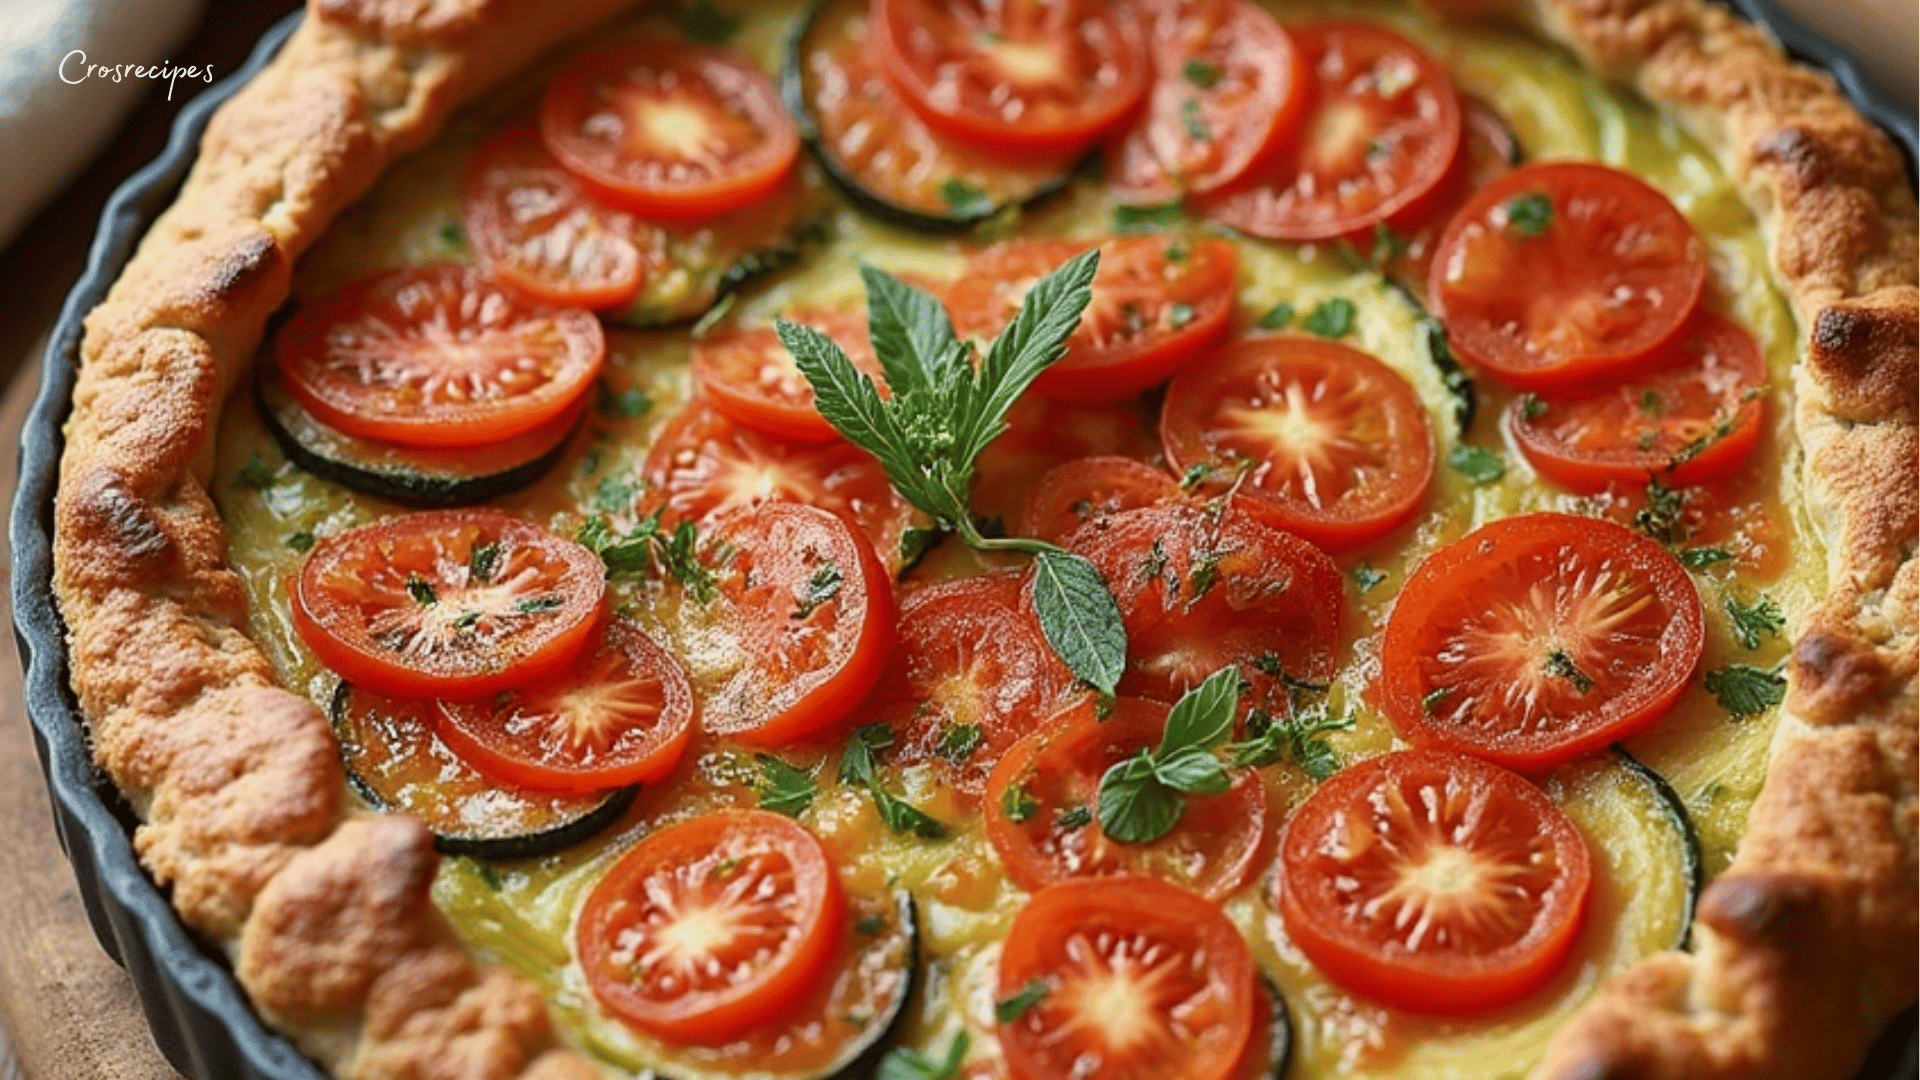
pixel 1023 544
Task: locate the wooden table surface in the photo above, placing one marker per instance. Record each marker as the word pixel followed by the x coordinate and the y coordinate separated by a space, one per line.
pixel 66 1011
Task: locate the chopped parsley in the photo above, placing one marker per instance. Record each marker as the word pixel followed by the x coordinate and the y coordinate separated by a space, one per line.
pixel 1529 215
pixel 623 405
pixel 1277 317
pixel 784 789
pixel 1201 73
pixel 1131 220
pixel 1699 558
pixel 255 474
pixel 421 590
pixel 1008 1009
pixel 1194 122
pixel 965 200
pixel 1018 804
pixel 1561 666
pixel 1744 690
pixel 1332 318
pixel 823 586
pixel 1366 577
pixel 301 541
pixel 958 743
pixel 1478 464
pixel 1756 622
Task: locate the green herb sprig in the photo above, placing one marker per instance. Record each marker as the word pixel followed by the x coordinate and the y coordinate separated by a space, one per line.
pixel 857 767
pixel 1142 798
pixel 943 413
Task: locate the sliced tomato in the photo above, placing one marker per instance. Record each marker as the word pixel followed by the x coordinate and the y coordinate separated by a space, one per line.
pixel 711 927
pixel 1042 433
pixel 1381 129
pixel 1564 272
pixel 1129 979
pixel 1693 421
pixel 1042 809
pixel 749 375
pixel 1017 77
pixel 620 716
pixel 1433 882
pixel 797 629
pixel 437 356
pixel 971 674
pixel 1538 639
pixel 703 465
pixel 1156 301
pixel 669 128
pixel 537 228
pixel 1334 444
pixel 1488 150
pixel 1069 495
pixel 448 603
pixel 1226 88
pixel 1204 587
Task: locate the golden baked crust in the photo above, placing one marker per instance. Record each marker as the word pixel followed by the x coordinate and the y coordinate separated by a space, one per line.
pixel 1805 946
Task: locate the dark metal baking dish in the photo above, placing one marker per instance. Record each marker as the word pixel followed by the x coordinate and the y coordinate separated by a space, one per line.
pixel 200 1017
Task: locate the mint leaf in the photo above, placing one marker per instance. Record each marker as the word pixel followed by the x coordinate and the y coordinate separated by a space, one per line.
pixel 906 1063
pixel 1744 690
pixel 1203 715
pixel 1080 618
pixel 1480 465
pixel 1033 341
pixel 783 788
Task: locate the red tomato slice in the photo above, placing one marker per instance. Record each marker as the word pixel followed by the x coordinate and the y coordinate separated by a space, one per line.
pixel 621 716
pixel 750 375
pixel 971 675
pixel 448 603
pixel 1156 301
pixel 1335 444
pixel 1200 589
pixel 799 628
pixel 1136 980
pixel 540 230
pixel 437 356
pixel 1041 809
pixel 669 128
pixel 1018 77
pixel 1226 88
pixel 711 927
pixel 1071 494
pixel 1433 882
pixel 1564 272
pixel 1690 423
pixel 1538 639
pixel 1488 151
pixel 1382 127
pixel 1042 433
pixel 704 465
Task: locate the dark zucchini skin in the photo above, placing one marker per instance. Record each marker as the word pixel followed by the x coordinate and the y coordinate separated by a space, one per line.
pixel 1466 400
pixel 569 819
pixel 793 88
pixel 1691 862
pixel 861 1061
pixel 422 484
pixel 1279 1035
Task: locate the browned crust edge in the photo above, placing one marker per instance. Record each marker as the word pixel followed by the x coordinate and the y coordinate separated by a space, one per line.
pixel 1806 945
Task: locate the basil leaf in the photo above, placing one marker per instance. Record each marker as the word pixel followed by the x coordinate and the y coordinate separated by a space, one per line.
pixel 1080 618
pixel 1194 770
pixel 783 788
pixel 1134 808
pixel 1204 714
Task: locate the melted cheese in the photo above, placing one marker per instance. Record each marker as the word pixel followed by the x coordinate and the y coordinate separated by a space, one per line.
pixel 522 914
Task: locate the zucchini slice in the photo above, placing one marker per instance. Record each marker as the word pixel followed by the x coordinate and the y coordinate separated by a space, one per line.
pixel 910 178
pixel 690 270
pixel 1639 827
pixel 417 476
pixel 1270 1053
pixel 396 762
pixel 847 1022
